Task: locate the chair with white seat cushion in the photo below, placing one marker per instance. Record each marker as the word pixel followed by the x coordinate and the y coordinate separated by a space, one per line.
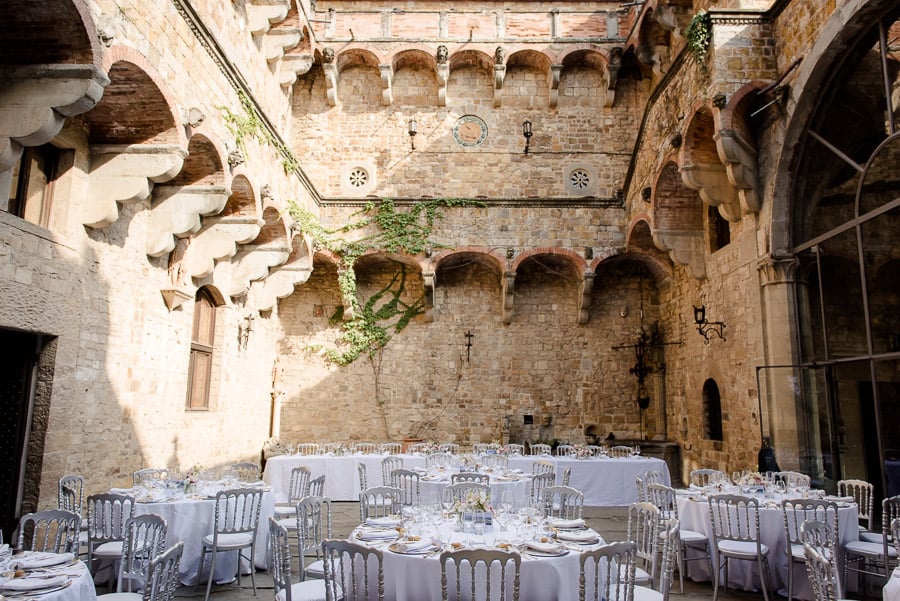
pixel 620 451
pixel 353 571
pixel 643 531
pixel 439 460
pixel 379 501
pixel 538 483
pixel 734 520
pixel 495 461
pixel 874 554
pixel 70 494
pixel 486 570
pixel 390 448
pixel 247 471
pixel 285 589
pixel 707 477
pixel 308 448
pixel 297 489
pixel 51 530
pixel 664 498
pixel 469 477
pixel 313 524
pixel 236 521
pixel 863 494
pixel 388 465
pixel 365 448
pixel 607 573
pixel 459 491
pixel 107 514
pixel 145 538
pixel 822 574
pixel 796 513
pixel 566 450
pixel 564 502
pixel 408 483
pixel 515 449
pixel 163 574
pixel 822 539
pixel 449 447
pixel 543 467
pixel 669 540
pixel 316 487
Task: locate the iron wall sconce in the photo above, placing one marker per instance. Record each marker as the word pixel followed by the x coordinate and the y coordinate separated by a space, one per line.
pixel 245 326
pixel 705 327
pixel 413 130
pixel 526 131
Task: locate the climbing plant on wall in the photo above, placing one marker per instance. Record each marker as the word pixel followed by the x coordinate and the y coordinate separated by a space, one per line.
pixel 374 320
pixel 699 37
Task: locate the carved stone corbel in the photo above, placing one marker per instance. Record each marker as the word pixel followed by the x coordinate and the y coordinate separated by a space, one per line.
pixel 443 73
pixel 387 74
pixel 428 282
pixel 509 296
pixel 176 212
pixel 555 73
pixel 615 63
pixel 331 76
pixel 711 182
pixel 584 300
pixel 262 14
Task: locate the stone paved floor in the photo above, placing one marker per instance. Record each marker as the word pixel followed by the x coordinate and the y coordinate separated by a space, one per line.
pixel 611 522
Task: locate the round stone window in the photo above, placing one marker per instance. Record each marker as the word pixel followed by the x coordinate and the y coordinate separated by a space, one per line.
pixel 579 179
pixel 358 177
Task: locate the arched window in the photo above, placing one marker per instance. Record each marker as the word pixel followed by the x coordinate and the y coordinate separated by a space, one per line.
pixel 719 229
pixel 202 347
pixel 712 410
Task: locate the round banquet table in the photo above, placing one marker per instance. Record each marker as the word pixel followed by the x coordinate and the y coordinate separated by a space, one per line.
pixel 340 471
pixel 80 589
pixel 891 590
pixel 418 577
pixel 605 481
pixel 693 509
pixel 189 519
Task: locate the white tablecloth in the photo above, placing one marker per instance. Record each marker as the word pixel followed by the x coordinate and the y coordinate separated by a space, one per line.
pixel 604 481
pixel 341 474
pixel 502 491
pixel 891 590
pixel 81 589
pixel 189 520
pixel 694 514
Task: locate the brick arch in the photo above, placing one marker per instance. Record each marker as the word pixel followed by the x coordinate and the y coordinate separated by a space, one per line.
pixel 485 256
pixel 374 257
pixel 677 221
pixel 472 58
pixel 274 230
pixel 48 32
pixel 575 260
pixel 326 256
pixel 205 162
pixel 134 82
pixel 591 71
pixel 659 269
pixel 531 59
pixel 243 200
pixel 417 56
pixel 701 167
pixel 357 57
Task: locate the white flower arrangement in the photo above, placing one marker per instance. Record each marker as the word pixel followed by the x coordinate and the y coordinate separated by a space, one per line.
pixel 475 501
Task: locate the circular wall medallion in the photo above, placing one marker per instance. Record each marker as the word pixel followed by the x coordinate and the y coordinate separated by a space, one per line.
pixel 470 130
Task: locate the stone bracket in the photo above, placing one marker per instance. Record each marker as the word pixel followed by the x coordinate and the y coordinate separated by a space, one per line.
pixel 740 167
pixel 555 73
pixel 292 66
pixel 615 63
pixel 251 264
pixel 126 174
pixel 428 282
pixel 443 74
pixel 387 74
pixel 281 282
pixel 711 181
pixel 175 297
pixel 262 14
pixel 509 296
pixel 499 76
pixel 36 99
pixel 176 211
pixel 686 247
pixel 218 238
pixel 331 82
pixel 584 298
pixel 276 42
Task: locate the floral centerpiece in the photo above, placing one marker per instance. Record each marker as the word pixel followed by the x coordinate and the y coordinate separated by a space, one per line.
pixel 191 477
pixel 583 452
pixel 469 463
pixel 475 503
pixel 428 447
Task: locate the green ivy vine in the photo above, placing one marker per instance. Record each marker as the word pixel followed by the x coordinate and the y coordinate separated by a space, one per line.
pixel 699 37
pixel 247 124
pixel 376 319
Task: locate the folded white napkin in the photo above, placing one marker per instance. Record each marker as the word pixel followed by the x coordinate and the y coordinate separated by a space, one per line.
pixel 412 546
pixel 840 499
pixel 561 523
pixel 32 584
pixel 578 536
pixel 42 560
pixel 383 522
pixel 121 491
pixel 548 547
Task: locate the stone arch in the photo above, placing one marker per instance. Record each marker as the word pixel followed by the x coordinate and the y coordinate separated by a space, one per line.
pixel 414 69
pixel 701 167
pixel 485 256
pixel 444 265
pixel 569 257
pixel 528 93
pixel 828 52
pixel 562 262
pixel 131 150
pixel 639 242
pixel 659 268
pixel 678 220
pixel 371 85
pixel 588 77
pixel 275 229
pixel 652 41
pixel 54 32
pixel 479 87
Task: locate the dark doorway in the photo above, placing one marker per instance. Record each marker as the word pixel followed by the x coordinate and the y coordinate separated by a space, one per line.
pixel 17 379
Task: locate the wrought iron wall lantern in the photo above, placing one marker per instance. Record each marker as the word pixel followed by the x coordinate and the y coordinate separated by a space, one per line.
pixel 526 131
pixel 413 130
pixel 706 327
pixel 245 326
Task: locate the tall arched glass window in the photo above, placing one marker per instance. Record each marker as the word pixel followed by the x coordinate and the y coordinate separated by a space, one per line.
pixel 202 347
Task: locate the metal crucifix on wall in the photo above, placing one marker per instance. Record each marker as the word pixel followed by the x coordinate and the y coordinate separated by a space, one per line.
pixel 469 337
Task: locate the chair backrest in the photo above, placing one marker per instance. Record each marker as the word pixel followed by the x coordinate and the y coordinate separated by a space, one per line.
pixel 352 571
pixel 449 447
pixel 163 574
pixel 313 525
pixel 643 531
pixel 620 451
pixel 247 471
pixel 145 538
pixel 418 447
pixel 365 448
pixel 566 476
pixel 516 449
pixel 793 479
pixel 379 501
pixel 664 498
pixel 607 573
pixel 469 477
pixel 307 448
pixel 542 467
pixel 735 518
pixel 653 477
pixel 390 448
pixel 280 549
pixel 51 530
pixel 669 540
pixel 299 484
pixel 540 449
pixel 821 537
pixel 476 567
pixel 438 460
pixel 457 492
pixel 641 488
pixel 330 447
pixel 237 512
pixel 316 487
pixel 408 483
pixel 594 450
pixel 363 476
pixel 495 461
pixel 388 465
pixel 798 511
pixel 895 534
pixel 107 514
pixel 707 476
pixel 822 575
pixel 890 510
pixel 566 450
pixel 145 476
pixel 564 502
pixel 483 447
pixel 538 483
pixel 70 493
pixel 864 494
